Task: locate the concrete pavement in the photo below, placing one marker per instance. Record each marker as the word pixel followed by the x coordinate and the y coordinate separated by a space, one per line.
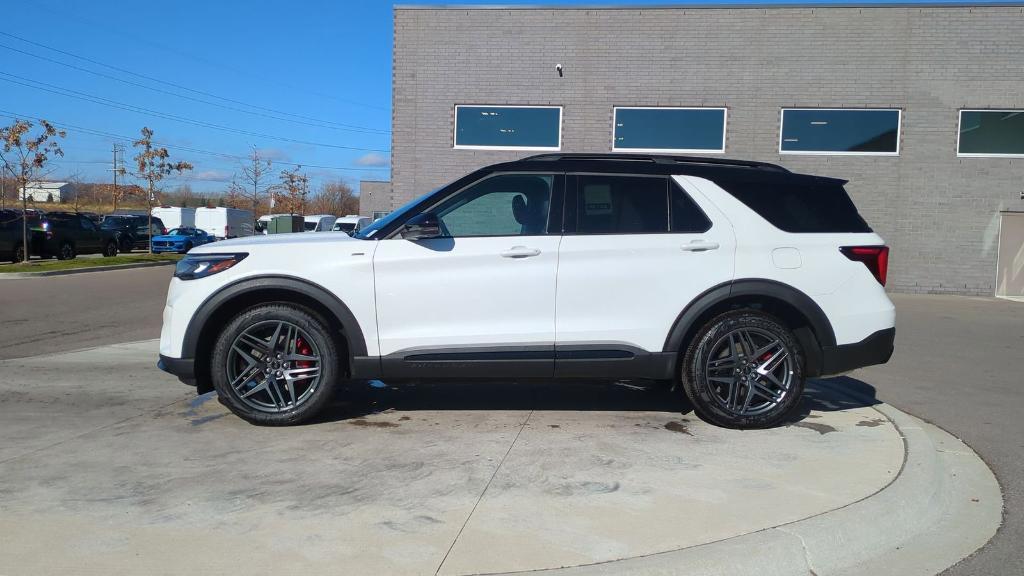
pixel 118 463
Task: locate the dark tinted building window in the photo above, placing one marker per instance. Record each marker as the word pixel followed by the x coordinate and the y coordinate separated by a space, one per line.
pixel 508 127
pixel 622 205
pixel 830 131
pixel 801 206
pixel 670 129
pixel 686 215
pixel 991 133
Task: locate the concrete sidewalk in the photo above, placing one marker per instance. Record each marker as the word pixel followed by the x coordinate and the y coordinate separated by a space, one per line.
pixel 129 473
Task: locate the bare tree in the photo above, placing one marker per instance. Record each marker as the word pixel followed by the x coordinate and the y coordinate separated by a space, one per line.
pixel 335 198
pixel 255 182
pixel 26 157
pixel 294 188
pixel 78 189
pixel 151 165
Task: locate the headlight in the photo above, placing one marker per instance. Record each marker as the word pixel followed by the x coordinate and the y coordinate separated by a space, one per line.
pixel 203 265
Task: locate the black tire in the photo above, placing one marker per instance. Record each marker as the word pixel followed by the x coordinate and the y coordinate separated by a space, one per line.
pixel 110 250
pixel 330 375
pixel 188 246
pixel 126 245
pixel 766 402
pixel 66 251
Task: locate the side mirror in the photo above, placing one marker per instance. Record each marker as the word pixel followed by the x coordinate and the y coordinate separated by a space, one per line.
pixel 421 227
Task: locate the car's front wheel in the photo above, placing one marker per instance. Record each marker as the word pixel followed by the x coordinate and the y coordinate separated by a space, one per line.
pixel 66 252
pixel 110 250
pixel 276 365
pixel 744 369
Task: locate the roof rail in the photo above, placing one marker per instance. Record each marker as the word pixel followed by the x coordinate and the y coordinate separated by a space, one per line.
pixel 657 158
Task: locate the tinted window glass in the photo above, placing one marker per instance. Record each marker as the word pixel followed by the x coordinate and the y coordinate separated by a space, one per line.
pixel 801 207
pixel 841 131
pixel 686 215
pixel 670 129
pixel 493 126
pixel 505 205
pixel 622 205
pixel 991 132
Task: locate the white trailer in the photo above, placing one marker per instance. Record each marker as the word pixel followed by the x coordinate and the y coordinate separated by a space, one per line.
pixel 224 222
pixel 174 217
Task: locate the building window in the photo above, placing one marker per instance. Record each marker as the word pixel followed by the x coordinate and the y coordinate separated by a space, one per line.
pixel 378 214
pixel 668 129
pixel 840 131
pixel 998 133
pixel 508 127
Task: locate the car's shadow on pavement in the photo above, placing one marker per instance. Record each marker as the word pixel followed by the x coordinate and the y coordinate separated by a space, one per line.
pixel 360 399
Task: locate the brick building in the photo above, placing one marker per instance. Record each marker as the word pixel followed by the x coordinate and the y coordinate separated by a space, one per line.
pixel 918 106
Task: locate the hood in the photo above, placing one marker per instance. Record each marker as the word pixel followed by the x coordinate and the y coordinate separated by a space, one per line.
pixel 171 237
pixel 294 238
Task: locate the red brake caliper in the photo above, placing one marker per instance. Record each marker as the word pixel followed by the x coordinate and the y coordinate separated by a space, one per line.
pixel 303 348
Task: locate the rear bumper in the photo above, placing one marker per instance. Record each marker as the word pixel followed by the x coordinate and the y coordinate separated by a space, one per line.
pixel 183 368
pixel 875 349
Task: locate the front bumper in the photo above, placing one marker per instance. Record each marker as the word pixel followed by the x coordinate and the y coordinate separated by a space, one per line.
pixel 875 349
pixel 183 368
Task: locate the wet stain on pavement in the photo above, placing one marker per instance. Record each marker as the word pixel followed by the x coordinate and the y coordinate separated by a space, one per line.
pixel 871 423
pixel 205 419
pixel 368 424
pixel 678 427
pixel 404 418
pixel 553 426
pixel 584 487
pixel 819 428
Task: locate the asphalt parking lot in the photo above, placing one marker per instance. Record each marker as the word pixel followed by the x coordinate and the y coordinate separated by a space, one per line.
pixel 121 458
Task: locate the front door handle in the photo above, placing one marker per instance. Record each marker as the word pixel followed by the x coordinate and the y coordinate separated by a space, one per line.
pixel 700 246
pixel 520 252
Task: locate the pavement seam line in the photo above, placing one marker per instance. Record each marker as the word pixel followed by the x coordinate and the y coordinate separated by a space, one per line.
pixel 87 432
pixel 483 492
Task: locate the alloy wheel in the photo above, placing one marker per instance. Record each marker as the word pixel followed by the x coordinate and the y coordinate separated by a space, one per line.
pixel 273 366
pixel 749 371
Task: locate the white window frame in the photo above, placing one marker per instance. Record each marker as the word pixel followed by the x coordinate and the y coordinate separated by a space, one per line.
pixel 455 131
pixel 959 124
pixel 899 132
pixel 725 128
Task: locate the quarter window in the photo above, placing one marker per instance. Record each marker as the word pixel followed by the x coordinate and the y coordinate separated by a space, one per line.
pixel 504 205
pixel 669 129
pixel 508 127
pixel 622 205
pixel 837 131
pixel 991 133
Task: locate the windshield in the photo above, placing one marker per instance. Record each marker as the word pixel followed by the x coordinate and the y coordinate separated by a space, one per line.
pixel 399 213
pixel 310 226
pixel 179 232
pixel 345 226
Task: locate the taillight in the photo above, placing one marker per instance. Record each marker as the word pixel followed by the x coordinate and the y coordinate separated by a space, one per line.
pixel 163 231
pixel 876 258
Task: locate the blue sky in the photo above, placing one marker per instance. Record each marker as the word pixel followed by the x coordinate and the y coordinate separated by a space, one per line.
pixel 305 82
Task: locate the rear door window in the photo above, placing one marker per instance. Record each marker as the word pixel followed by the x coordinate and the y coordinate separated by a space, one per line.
pixel 616 204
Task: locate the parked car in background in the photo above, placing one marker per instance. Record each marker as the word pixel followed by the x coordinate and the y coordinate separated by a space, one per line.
pixel 11 236
pixel 223 223
pixel 175 217
pixel 68 234
pixel 181 240
pixel 133 230
pixel 319 222
pixel 351 224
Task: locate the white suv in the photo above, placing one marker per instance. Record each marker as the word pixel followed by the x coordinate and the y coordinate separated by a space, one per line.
pixel 736 279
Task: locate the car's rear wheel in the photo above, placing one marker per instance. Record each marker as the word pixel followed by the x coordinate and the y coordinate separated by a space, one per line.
pixel 66 251
pixel 110 249
pixel 744 369
pixel 276 365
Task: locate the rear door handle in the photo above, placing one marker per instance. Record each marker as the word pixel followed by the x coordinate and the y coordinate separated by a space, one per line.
pixel 520 252
pixel 700 246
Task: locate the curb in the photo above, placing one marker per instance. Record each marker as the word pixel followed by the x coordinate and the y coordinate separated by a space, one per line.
pixel 23 275
pixel 943 505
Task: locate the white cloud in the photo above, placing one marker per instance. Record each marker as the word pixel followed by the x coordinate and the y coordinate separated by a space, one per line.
pixel 371 159
pixel 275 154
pixel 211 176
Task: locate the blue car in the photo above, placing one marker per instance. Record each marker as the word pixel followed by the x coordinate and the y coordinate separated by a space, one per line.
pixel 180 240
